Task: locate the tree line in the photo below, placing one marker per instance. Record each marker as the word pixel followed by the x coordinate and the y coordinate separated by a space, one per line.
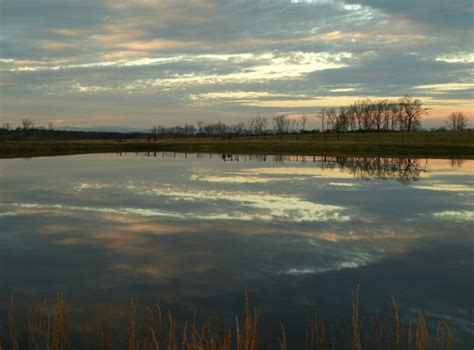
pixel 27 130
pixel 366 115
pixel 380 115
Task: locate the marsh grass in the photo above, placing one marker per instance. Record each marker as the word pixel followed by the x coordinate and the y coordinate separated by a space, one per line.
pixel 419 144
pixel 51 329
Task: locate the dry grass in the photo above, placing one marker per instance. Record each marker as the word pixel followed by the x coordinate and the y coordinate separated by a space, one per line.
pixel 355 320
pixel 397 339
pixel 413 144
pixel 51 329
pixel 12 322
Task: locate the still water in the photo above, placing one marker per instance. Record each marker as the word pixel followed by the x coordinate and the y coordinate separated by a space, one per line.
pixel 194 231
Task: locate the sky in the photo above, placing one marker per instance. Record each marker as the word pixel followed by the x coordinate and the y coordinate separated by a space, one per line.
pixel 138 63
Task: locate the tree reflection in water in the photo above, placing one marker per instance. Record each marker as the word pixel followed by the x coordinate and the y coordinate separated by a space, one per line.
pixel 404 170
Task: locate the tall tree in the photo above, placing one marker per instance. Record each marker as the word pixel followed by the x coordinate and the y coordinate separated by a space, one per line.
pixel 27 124
pixel 322 115
pixel 457 121
pixel 411 112
pixel 259 125
pixel 281 124
pixel 303 120
pixel 201 125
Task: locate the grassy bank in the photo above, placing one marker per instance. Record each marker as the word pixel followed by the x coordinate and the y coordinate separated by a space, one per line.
pixel 419 144
pixel 50 326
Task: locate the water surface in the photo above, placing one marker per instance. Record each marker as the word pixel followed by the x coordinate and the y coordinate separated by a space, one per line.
pixel 195 231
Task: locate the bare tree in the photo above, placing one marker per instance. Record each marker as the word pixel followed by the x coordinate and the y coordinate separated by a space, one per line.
pixel 201 125
pixel 322 115
pixel 27 124
pixel 331 116
pixel 220 128
pixel 190 129
pixel 238 128
pixel 341 123
pixel 365 109
pixel 6 126
pixel 294 125
pixel 357 112
pixel 395 116
pixel 352 117
pixel 457 121
pixel 386 114
pixel 259 125
pixel 412 111
pixel 378 114
pixel 281 124
pixel 50 126
pixel 154 131
pixel 303 120
pixel 209 129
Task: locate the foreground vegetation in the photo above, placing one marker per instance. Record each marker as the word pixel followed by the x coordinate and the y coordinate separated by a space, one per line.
pixel 414 144
pixel 48 329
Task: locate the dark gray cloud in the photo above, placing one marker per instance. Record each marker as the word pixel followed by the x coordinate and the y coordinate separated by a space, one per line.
pixel 442 16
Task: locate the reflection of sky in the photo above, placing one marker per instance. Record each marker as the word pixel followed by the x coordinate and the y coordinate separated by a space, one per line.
pixel 196 232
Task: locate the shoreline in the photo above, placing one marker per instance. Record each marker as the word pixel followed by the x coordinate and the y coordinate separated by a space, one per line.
pixel 255 145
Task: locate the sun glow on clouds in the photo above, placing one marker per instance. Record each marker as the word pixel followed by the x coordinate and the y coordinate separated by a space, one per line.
pixel 244 68
pixel 82 88
pixel 255 68
pixel 464 57
pixel 46 65
pixel 290 64
pixel 342 90
pixel 438 105
pixel 451 215
pixel 236 95
pixel 446 87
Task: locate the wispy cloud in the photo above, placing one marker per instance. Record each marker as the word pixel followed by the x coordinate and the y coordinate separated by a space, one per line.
pixel 451 215
pixel 463 57
pixel 446 87
pixel 259 206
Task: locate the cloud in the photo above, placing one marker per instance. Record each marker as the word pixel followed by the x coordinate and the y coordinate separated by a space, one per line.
pixel 258 206
pixel 463 57
pixel 183 57
pixel 459 216
pixel 443 187
pixel 236 179
pixel 301 171
pixel 344 184
pixel 446 87
pixel 236 95
pixel 439 17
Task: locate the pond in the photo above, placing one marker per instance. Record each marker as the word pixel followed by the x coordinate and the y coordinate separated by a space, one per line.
pixel 194 231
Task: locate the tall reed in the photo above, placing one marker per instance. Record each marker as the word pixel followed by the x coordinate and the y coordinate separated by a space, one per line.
pixel 51 329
